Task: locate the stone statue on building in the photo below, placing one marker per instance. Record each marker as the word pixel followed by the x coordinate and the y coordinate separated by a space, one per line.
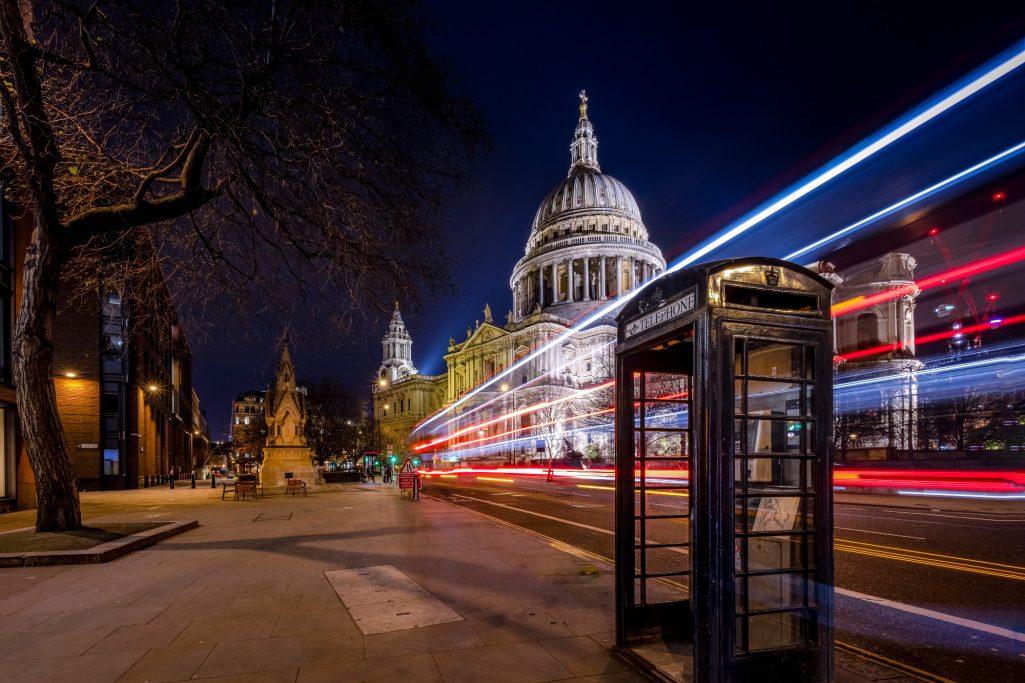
pixel 509 318
pixel 487 314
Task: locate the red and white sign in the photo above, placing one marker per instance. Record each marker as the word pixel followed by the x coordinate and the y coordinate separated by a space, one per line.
pixel 407 475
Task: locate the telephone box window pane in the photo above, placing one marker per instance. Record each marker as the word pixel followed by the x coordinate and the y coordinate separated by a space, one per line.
pixel 773 398
pixel 769 436
pixel 775 513
pixel 664 415
pixel 665 444
pixel 666 472
pixel 774 591
pixel 771 631
pixel 675 501
pixel 667 386
pixel 738 397
pixel 771 553
pixel 772 359
pixel 767 475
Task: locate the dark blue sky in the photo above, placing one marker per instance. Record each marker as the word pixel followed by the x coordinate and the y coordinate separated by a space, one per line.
pixel 700 111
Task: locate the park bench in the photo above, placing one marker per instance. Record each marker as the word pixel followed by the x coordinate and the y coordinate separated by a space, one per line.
pixel 295 487
pixel 246 488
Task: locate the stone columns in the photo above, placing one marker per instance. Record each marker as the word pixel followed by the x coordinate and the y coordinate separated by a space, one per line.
pixel 540 285
pixel 587 278
pixel 555 282
pixel 619 274
pixel 602 292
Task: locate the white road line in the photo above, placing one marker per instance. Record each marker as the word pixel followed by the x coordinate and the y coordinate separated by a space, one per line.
pixel 900 606
pixel 938 616
pixel 880 533
pixel 963 518
pixel 537 514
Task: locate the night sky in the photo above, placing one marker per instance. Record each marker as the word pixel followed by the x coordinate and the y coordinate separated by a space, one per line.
pixel 701 111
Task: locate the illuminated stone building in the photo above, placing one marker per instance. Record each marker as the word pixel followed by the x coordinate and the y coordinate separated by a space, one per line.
pixel 587 244
pixel 877 341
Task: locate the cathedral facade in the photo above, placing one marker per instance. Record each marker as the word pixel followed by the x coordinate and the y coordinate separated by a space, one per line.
pixel 587 245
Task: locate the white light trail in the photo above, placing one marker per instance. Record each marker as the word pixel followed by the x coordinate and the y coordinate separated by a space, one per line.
pixel 907 201
pixel 968 86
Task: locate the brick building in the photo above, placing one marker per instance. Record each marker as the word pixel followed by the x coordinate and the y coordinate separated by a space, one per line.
pixel 123 380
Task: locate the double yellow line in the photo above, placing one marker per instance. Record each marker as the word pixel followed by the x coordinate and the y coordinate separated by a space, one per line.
pixel 962 564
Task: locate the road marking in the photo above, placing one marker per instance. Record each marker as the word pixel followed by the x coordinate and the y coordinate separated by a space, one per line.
pixel 536 514
pixel 932 614
pixel 964 564
pixel 882 602
pixel 504 481
pixel 893 664
pixel 881 533
pixel 963 518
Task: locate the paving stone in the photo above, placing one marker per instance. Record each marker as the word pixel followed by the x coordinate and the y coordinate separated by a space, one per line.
pixel 267 654
pixel 405 669
pixel 277 676
pixel 583 656
pixel 29 645
pixel 209 632
pixel 164 664
pixel 516 626
pixel 264 605
pixel 140 637
pixel 454 636
pixel 98 667
pixel 518 662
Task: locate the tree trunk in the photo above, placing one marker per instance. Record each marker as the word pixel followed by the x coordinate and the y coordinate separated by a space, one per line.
pixel 56 490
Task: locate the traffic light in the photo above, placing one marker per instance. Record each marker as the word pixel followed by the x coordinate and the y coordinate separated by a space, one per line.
pixel 416 461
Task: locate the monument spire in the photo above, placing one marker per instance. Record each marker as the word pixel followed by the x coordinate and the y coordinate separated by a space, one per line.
pixel 584 148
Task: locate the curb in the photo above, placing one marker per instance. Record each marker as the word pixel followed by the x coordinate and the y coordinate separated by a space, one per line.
pixel 101 553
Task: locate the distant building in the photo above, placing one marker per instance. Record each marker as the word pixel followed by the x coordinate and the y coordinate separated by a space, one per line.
pixel 248 428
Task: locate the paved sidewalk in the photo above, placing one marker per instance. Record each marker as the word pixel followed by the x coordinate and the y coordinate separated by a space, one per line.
pixel 245 598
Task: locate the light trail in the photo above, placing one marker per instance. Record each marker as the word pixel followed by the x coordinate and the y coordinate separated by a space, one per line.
pixel 516 413
pixel 994 160
pixel 512 392
pixel 859 302
pixel 938 336
pixel 978 80
pixel 1002 360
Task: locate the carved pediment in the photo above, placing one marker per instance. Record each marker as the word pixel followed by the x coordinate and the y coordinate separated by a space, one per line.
pixel 485 333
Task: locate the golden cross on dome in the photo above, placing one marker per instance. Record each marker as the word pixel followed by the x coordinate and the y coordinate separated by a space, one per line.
pixel 583 104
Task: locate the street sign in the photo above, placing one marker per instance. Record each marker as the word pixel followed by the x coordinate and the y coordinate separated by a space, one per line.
pixel 407 475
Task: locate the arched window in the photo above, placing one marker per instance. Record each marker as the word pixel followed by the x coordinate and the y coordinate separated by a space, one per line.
pixel 868 331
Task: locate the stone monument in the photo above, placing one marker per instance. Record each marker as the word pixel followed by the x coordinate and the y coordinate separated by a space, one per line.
pixel 286 451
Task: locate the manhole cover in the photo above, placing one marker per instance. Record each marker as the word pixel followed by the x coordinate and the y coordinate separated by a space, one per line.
pixel 273 517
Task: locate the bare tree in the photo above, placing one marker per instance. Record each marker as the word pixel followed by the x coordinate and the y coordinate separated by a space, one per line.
pixel 332 418
pixel 274 149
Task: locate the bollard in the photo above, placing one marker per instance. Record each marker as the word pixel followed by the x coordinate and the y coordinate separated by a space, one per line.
pixel 193 480
pixel 171 479
pixel 145 481
pixel 213 480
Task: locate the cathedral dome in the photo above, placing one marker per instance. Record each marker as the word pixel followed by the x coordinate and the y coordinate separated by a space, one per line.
pixel 587 243
pixel 584 190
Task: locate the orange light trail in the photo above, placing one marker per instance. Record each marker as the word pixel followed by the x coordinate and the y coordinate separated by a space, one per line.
pixel 859 302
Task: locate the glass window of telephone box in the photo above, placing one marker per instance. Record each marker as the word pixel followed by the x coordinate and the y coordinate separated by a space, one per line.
pixel 723 531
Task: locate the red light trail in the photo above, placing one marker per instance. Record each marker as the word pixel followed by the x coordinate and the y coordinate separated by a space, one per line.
pixel 998 261
pixel 925 339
